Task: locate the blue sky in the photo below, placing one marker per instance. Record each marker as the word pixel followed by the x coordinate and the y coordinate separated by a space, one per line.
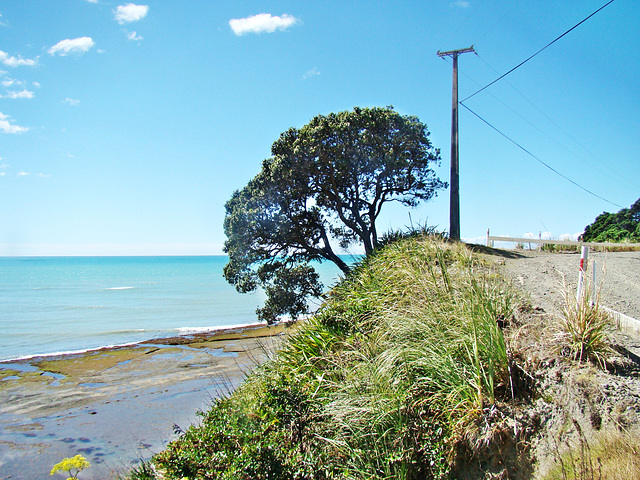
pixel 125 127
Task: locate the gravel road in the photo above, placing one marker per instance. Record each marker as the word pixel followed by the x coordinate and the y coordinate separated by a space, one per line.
pixel 541 275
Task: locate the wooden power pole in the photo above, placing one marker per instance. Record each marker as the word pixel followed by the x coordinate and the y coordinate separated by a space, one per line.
pixel 454 204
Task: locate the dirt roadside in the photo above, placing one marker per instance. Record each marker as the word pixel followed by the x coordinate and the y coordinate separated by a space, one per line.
pixel 576 410
pixel 541 276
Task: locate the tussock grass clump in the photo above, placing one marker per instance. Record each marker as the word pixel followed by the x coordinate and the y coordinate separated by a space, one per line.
pixel 583 329
pixel 404 355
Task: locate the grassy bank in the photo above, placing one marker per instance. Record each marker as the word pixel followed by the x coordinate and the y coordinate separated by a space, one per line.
pixel 389 380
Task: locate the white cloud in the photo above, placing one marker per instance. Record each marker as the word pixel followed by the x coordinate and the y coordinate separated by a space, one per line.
pixel 36 84
pixel 8 83
pixel 7 127
pixel 23 94
pixel 462 4
pixel 570 236
pixel 134 36
pixel 76 45
pixel 263 22
pixel 71 101
pixel 10 61
pixel 2 174
pixel 311 73
pixel 130 13
pixel 23 174
pixel 92 1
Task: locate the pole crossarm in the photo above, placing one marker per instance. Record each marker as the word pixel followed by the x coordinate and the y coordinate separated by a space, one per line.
pixel 451 53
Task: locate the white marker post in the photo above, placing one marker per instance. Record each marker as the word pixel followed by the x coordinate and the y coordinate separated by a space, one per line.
pixel 584 258
pixel 593 283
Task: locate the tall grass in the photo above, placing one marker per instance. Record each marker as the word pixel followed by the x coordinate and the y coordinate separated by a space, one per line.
pixel 404 354
pixel 412 338
pixel 583 329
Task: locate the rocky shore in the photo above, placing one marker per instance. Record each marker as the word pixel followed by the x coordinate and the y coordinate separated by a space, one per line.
pixel 119 405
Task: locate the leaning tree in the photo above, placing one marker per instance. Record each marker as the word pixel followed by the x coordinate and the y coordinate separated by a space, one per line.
pixel 324 187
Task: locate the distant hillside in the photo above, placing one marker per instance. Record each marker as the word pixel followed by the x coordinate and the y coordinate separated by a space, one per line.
pixel 615 227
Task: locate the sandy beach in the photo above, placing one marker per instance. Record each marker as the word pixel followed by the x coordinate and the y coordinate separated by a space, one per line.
pixel 119 405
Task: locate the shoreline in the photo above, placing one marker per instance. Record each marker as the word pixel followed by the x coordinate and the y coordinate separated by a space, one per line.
pixel 195 331
pixel 117 405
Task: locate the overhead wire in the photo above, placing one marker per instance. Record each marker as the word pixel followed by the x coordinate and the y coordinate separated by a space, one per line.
pixel 539 51
pixel 618 177
pixel 537 158
pixel 524 149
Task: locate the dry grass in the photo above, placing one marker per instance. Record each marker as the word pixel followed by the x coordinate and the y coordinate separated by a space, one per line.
pixel 614 456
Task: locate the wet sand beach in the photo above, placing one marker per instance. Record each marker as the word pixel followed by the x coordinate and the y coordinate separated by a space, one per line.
pixel 118 405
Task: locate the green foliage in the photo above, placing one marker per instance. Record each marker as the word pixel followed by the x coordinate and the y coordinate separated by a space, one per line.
pixel 77 463
pixel 378 385
pixel 615 227
pixel 144 471
pixel 325 185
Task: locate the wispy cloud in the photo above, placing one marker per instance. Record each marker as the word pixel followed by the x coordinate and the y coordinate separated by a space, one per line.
pixel 462 4
pixel 71 101
pixel 7 127
pixel 311 73
pixel 22 94
pixel 11 61
pixel 76 45
pixel 23 174
pixel 262 23
pixel 134 36
pixel 130 13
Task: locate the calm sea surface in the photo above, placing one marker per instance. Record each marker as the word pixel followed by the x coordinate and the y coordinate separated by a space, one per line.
pixel 64 304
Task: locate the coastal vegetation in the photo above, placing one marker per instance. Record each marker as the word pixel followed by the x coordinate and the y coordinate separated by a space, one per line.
pixel 393 378
pixel 72 466
pixel 424 363
pixel 324 186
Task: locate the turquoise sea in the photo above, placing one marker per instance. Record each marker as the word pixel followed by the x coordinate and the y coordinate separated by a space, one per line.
pixel 51 305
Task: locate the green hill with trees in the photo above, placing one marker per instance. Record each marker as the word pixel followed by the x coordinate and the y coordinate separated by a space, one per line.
pixel 623 226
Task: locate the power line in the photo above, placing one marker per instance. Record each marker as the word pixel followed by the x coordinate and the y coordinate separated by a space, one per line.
pixel 543 48
pixel 538 159
pixel 618 178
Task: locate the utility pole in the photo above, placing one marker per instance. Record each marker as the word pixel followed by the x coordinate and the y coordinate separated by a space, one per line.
pixel 454 203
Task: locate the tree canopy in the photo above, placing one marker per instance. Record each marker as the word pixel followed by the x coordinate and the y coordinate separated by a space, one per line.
pixel 615 227
pixel 323 187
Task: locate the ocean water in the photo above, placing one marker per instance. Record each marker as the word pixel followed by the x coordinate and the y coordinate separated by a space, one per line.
pixel 52 305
